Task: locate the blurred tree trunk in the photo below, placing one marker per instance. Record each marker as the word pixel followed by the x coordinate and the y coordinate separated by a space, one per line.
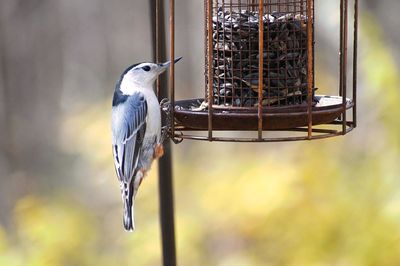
pixel 31 75
pixel 3 106
pixel 5 125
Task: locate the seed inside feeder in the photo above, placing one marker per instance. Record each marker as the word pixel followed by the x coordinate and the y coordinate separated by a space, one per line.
pixel 236 58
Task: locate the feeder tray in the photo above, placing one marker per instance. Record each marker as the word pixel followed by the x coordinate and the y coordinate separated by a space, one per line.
pixel 327 110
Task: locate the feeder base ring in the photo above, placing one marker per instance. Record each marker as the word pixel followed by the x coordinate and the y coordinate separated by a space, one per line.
pixel 326 111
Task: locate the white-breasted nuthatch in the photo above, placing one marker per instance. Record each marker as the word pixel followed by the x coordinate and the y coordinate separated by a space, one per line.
pixel 136 130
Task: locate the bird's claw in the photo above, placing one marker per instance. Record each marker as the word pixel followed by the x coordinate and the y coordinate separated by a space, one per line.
pixel 165 105
pixel 163 101
pixel 164 133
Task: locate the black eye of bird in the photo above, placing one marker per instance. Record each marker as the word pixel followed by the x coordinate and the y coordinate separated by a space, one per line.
pixel 146 68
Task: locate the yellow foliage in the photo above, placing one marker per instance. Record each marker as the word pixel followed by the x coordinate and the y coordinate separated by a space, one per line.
pixel 53 233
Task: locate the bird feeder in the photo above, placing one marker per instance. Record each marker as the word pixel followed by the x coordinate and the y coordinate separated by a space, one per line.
pixel 260 75
pixel 259 78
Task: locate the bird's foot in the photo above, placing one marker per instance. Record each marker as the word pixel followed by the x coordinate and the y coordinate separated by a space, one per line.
pixel 158 151
pixel 165 105
pixel 164 133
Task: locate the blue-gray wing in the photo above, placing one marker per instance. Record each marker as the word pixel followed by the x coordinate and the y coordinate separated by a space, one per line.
pixel 128 129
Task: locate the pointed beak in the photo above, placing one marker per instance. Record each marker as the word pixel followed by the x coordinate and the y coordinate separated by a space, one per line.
pixel 165 65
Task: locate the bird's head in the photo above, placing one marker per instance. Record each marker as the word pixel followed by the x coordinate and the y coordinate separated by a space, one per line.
pixel 142 75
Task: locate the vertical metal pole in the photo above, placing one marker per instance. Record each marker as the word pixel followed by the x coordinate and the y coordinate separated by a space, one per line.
pixel 344 65
pixel 355 63
pixel 206 51
pixel 165 163
pixel 210 65
pixel 341 49
pixel 172 58
pixel 260 67
pixel 310 67
pixel 314 40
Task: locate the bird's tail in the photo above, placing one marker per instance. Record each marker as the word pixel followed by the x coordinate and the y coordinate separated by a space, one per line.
pixel 129 210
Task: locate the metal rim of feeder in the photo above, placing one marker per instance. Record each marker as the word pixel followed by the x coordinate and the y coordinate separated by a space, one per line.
pixel 260 118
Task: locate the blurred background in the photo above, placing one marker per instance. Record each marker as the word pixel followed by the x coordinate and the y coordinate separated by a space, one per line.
pixel 330 202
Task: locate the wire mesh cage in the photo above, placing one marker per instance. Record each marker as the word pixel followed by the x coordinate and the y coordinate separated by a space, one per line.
pixel 236 68
pixel 260 75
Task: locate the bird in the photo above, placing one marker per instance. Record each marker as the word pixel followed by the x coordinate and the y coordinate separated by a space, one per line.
pixel 136 130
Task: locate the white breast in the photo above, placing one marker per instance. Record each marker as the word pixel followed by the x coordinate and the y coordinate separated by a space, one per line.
pixel 153 127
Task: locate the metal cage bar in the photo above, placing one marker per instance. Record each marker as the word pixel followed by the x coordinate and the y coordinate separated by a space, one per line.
pixel 210 62
pixel 355 63
pixel 310 65
pixel 260 67
pixel 172 58
pixel 344 66
pixel 341 49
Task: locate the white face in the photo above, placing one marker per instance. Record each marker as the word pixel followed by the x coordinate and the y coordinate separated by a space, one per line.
pixel 141 76
pixel 145 73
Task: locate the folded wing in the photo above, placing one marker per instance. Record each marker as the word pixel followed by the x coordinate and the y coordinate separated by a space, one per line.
pixel 128 130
